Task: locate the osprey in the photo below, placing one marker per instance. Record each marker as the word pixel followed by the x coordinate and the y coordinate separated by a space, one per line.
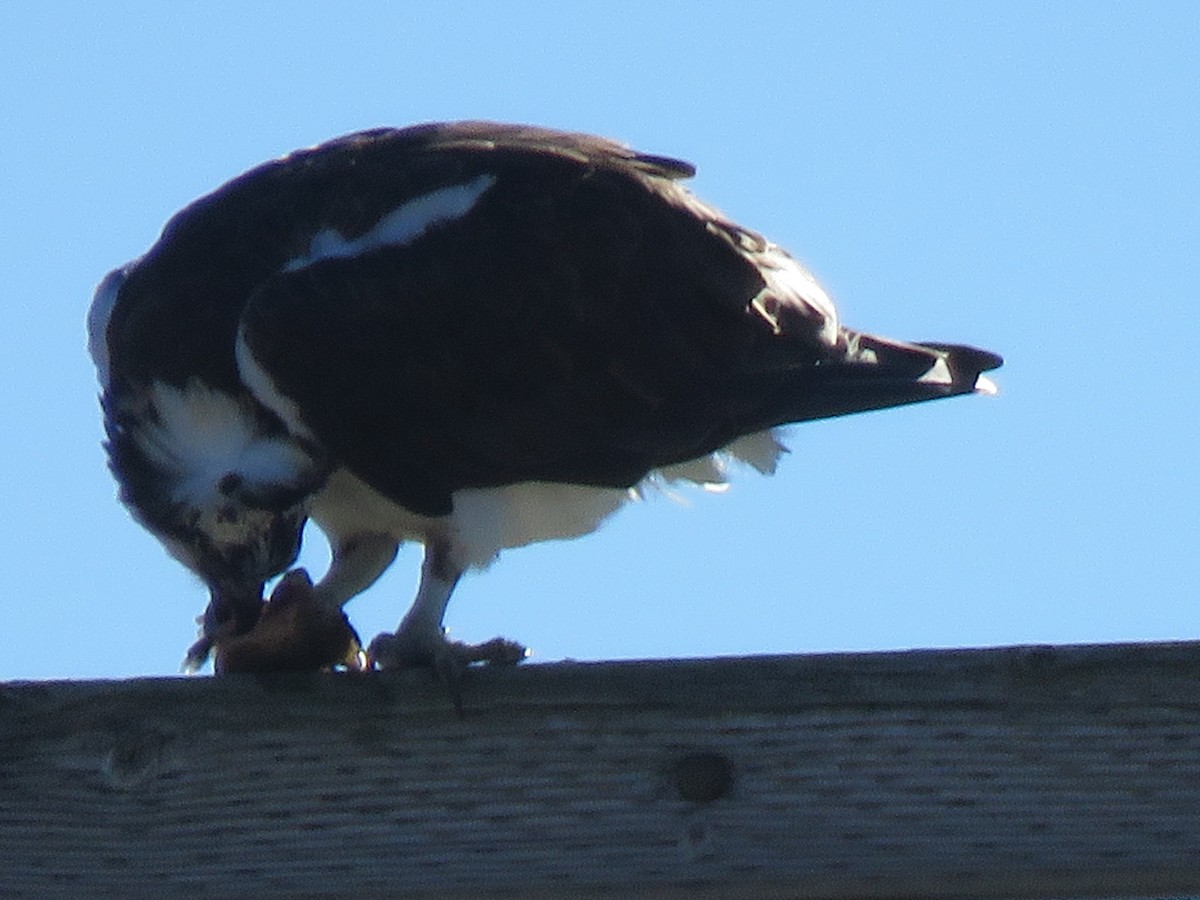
pixel 471 335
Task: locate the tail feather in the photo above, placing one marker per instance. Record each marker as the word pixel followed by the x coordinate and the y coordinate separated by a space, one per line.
pixel 876 373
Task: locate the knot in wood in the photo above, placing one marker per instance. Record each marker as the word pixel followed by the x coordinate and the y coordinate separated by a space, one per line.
pixel 703 777
pixel 133 758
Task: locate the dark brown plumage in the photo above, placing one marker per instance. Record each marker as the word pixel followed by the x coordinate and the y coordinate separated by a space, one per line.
pixel 472 335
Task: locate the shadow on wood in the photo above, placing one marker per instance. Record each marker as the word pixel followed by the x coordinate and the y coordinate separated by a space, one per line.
pixel 1018 772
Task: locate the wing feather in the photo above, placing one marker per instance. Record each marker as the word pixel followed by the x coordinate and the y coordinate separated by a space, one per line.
pixel 573 325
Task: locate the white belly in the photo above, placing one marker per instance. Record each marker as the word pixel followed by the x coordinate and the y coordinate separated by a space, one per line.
pixel 484 521
pixel 488 520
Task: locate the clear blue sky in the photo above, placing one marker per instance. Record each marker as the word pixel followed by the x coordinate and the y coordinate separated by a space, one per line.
pixel 1022 176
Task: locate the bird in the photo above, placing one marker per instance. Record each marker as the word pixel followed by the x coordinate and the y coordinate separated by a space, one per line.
pixel 470 335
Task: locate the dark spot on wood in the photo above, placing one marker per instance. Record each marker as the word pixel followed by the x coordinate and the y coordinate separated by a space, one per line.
pixel 703 777
pixel 229 483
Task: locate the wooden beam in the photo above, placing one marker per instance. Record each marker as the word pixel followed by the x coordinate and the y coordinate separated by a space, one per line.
pixel 1018 772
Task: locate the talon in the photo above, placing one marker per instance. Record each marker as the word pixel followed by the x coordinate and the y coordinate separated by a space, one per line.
pixel 448 659
pixel 405 650
pixel 496 652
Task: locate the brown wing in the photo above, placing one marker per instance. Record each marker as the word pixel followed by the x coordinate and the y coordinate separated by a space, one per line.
pixel 474 305
pixel 584 321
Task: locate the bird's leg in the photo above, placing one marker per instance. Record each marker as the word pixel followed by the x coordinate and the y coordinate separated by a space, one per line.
pixel 357 563
pixel 421 640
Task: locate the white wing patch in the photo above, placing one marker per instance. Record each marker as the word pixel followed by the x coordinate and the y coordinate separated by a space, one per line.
pixel 262 386
pixel 401 226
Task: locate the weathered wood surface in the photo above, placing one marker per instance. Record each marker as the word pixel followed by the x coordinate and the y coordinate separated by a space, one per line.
pixel 1021 772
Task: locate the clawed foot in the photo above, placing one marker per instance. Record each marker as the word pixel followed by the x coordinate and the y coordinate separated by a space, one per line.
pixel 408 649
pixel 449 659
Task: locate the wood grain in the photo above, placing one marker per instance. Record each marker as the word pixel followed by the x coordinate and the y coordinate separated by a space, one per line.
pixel 1015 772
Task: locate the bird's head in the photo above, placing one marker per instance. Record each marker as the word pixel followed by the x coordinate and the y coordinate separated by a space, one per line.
pixel 220 482
pixel 200 463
